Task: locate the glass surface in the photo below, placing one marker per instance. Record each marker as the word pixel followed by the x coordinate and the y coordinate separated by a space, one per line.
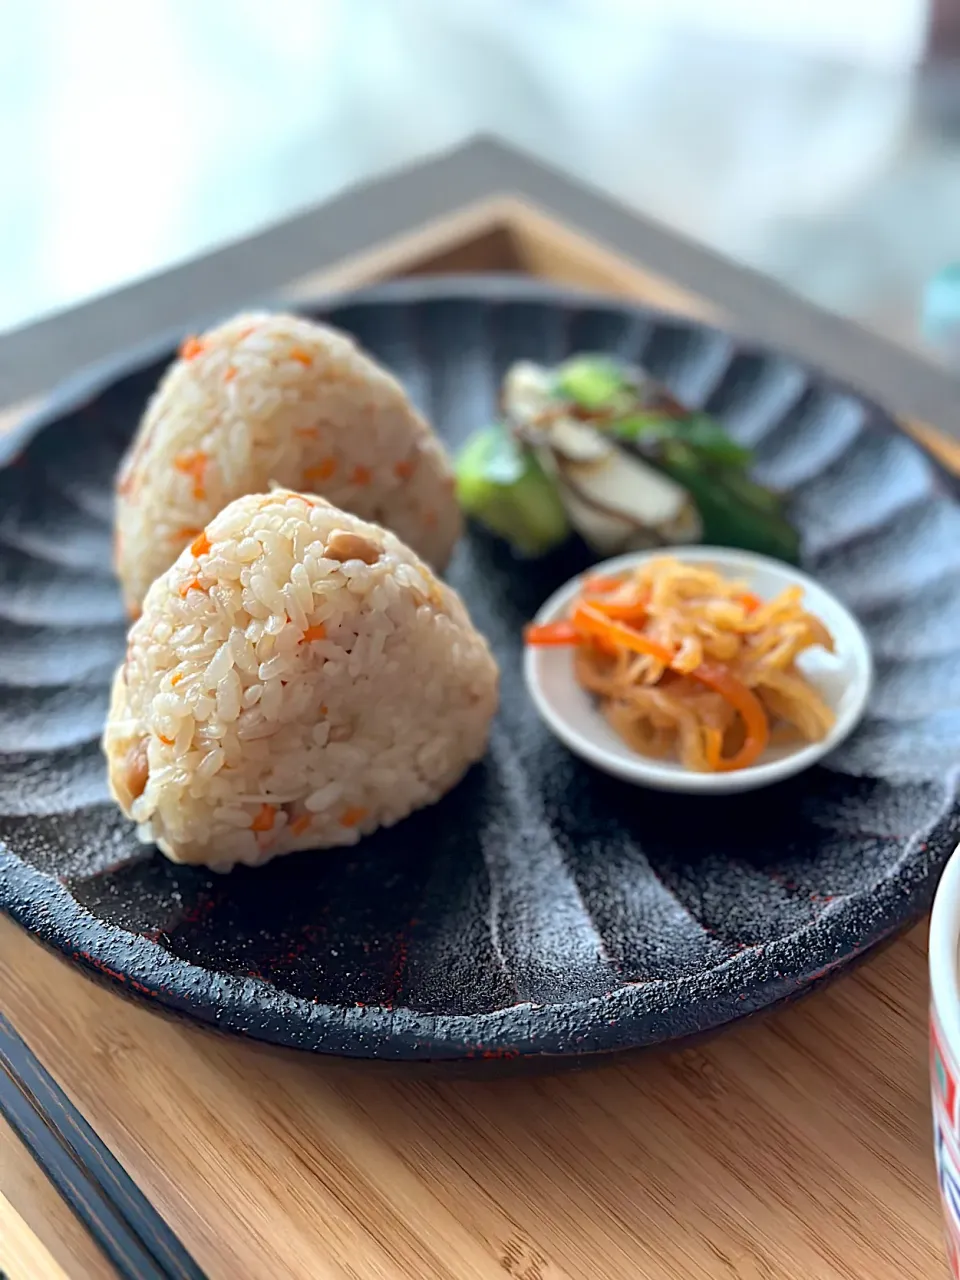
pixel 135 136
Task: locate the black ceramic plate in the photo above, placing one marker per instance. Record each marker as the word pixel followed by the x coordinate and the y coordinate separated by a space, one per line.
pixel 541 908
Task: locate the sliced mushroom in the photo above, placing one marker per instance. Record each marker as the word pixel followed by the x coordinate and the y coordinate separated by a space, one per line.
pixel 629 487
pixel 617 502
pixel 527 391
pixel 577 441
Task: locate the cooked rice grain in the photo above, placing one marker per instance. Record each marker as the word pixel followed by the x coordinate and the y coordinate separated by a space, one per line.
pixel 274 398
pixel 292 698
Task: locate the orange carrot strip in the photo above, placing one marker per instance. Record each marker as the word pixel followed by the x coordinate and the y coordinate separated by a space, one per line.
pixel 749 601
pixel 635 615
pixel 299 825
pixel 187 587
pixel 191 347
pixel 712 747
pixel 301 356
pixel 352 817
pixel 176 678
pixel 361 475
pixel 264 819
pixel 403 470
pixel 317 632
pixel 746 703
pixel 306 433
pixel 200 545
pixel 632 610
pixel 230 374
pixel 590 622
pixel 551 633
pixel 594 625
pixel 597 584
pixel 167 742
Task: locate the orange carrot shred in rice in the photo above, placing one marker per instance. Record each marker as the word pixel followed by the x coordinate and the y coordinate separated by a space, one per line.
pixel 352 817
pixel 176 678
pixel 403 470
pixel 299 825
pixel 306 433
pixel 191 347
pixel 230 374
pixel 194 465
pixel 167 742
pixel 265 818
pixel 200 545
pixel 322 471
pixel 361 475
pixel 301 356
pixel 317 632
pixel 186 587
pixel 687 664
pixel 245 333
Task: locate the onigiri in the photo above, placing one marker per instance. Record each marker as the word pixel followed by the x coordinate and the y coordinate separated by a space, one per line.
pixel 297 678
pixel 271 398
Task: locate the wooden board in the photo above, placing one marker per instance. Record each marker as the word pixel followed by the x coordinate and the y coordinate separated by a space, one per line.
pixel 795 1146
pixel 26 1192
pixel 23 1256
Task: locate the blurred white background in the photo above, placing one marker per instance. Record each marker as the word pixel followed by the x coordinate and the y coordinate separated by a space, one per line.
pixel 796 137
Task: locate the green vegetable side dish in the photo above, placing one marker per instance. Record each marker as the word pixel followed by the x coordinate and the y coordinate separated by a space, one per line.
pixel 735 511
pixel 597 447
pixel 594 383
pixel 502 486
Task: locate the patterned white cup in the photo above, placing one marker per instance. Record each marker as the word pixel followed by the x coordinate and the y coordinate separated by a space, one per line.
pixel 945 1050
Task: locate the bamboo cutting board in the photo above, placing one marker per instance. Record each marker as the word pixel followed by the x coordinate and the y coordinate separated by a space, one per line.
pixel 21 1250
pixel 794 1146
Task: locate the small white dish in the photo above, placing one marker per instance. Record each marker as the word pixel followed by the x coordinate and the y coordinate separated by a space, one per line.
pixel 944 950
pixel 843 678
